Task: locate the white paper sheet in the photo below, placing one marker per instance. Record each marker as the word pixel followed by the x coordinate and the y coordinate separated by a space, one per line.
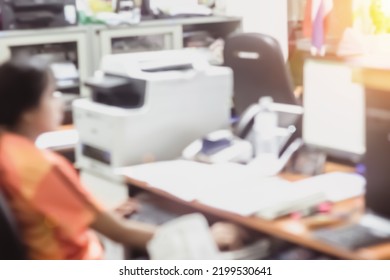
pixel 336 186
pixel 179 177
pixel 227 186
pixel 185 238
pixel 191 180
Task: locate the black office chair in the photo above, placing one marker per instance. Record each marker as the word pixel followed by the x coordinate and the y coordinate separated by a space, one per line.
pixel 259 70
pixel 11 245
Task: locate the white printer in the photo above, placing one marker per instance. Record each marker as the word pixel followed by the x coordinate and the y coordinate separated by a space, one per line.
pixel 148 107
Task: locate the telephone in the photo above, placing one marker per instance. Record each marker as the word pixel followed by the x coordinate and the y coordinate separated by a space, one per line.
pixel 219 146
pixel 237 145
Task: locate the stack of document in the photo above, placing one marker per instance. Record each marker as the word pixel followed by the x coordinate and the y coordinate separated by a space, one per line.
pixel 185 238
pixel 228 186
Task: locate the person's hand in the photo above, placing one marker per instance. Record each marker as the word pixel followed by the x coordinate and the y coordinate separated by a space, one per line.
pixel 229 236
pixel 127 208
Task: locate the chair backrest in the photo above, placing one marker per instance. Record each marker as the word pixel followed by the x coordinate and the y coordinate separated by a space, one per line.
pixel 259 70
pixel 11 244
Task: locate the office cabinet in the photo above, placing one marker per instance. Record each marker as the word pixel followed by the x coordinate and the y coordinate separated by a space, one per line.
pixel 162 34
pixel 84 46
pixel 132 39
pixel 128 40
pixel 65 49
pixel 62 47
pixel 75 52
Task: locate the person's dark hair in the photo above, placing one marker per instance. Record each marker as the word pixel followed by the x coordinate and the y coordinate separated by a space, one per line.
pixel 22 83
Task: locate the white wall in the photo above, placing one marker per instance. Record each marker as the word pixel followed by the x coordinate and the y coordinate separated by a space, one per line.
pixel 263 16
pixel 296 9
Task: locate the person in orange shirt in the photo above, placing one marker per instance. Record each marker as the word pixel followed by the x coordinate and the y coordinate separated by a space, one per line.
pixel 55 213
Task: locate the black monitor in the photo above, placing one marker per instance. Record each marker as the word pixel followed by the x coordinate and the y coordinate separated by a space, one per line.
pixel 373 227
pixel 377 159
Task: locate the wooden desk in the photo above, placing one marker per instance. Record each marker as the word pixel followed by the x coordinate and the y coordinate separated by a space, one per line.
pixel 295 231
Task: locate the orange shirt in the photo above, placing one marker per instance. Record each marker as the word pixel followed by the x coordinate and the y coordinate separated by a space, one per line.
pixel 53 209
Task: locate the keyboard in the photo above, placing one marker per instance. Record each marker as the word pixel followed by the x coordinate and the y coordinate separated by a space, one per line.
pixel 352 237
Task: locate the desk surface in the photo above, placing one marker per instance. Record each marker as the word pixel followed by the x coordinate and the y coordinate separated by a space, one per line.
pixel 295 231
